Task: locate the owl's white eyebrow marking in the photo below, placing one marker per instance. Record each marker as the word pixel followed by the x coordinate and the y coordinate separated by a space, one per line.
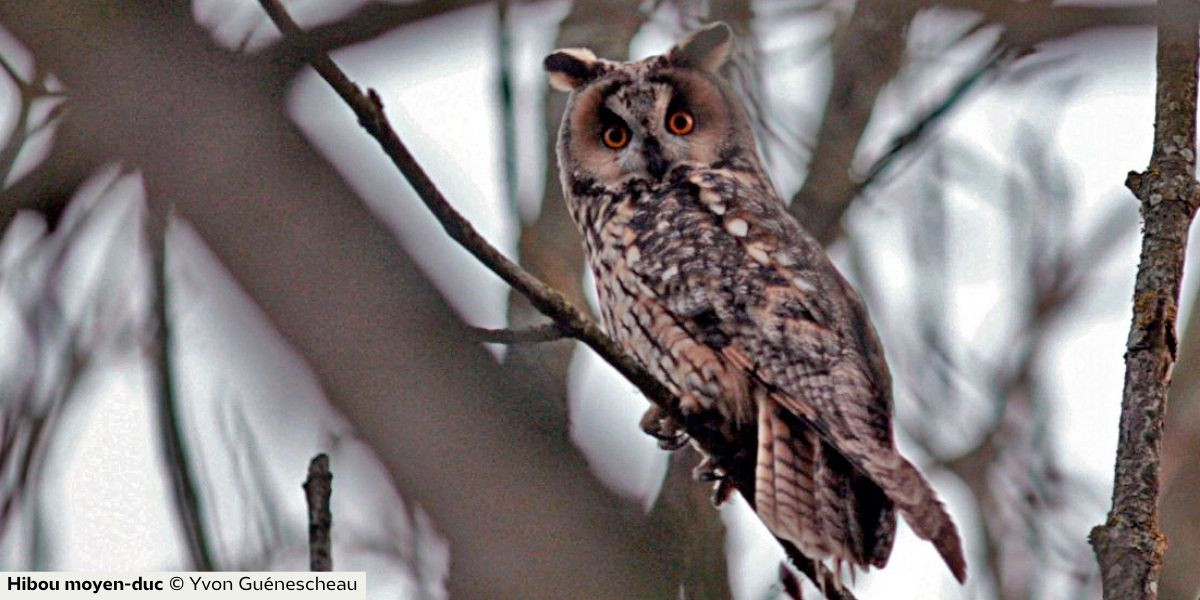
pixel 613 87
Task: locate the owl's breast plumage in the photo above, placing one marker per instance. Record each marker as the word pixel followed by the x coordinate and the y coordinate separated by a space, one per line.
pixel 676 283
pixel 645 247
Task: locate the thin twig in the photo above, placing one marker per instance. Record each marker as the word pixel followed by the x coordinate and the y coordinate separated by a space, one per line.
pixel 1129 545
pixel 530 335
pixel 368 107
pixel 24 129
pixel 318 487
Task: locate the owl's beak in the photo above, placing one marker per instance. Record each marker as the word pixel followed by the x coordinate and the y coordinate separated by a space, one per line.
pixel 656 164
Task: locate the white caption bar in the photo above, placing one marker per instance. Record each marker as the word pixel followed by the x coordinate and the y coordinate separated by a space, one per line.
pixel 230 585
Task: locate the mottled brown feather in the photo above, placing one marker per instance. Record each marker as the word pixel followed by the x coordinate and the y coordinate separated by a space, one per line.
pixel 704 277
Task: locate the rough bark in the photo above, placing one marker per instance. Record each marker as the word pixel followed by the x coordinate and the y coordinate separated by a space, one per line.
pixel 1179 510
pixel 318 487
pixel 1129 545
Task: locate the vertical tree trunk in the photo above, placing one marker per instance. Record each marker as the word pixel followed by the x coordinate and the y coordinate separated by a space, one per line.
pixel 1129 546
pixel 1180 475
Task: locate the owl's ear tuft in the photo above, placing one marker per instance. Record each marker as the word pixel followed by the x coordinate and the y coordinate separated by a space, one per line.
pixel 706 48
pixel 570 68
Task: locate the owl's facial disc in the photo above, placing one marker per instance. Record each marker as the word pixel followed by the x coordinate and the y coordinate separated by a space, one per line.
pixel 641 122
pixel 648 119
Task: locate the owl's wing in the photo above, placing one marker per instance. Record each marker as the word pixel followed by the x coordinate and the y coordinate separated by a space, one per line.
pixel 843 392
pixel 762 293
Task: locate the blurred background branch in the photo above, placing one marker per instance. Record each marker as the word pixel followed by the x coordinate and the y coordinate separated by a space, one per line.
pixel 170 424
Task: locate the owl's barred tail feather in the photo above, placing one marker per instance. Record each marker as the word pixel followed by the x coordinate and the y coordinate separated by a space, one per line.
pixel 919 504
pixel 808 493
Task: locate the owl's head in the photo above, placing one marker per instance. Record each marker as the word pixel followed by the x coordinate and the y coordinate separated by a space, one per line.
pixel 638 120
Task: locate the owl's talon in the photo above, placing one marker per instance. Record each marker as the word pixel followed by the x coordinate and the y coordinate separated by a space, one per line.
pixel 667 431
pixel 708 470
pixel 651 421
pixel 671 444
pixel 721 492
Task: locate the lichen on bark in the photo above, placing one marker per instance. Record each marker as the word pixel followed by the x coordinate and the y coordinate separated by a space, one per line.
pixel 1129 546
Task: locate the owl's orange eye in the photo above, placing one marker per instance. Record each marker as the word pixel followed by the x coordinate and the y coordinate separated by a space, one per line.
pixel 681 122
pixel 615 137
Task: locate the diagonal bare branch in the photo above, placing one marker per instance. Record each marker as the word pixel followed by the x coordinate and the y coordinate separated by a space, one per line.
pixel 529 335
pixel 369 109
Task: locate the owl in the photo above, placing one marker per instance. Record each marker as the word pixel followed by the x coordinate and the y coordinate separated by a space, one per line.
pixel 704 277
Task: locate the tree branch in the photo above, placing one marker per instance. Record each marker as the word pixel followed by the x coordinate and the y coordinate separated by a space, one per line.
pixel 917 131
pixel 866 55
pixel 1030 23
pixel 530 335
pixel 369 109
pixel 1129 545
pixel 364 24
pixel 318 487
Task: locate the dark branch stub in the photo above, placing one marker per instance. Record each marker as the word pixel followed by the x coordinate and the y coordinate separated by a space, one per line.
pixel 318 488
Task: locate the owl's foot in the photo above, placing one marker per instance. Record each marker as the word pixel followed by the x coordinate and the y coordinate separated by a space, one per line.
pixel 722 491
pixel 669 433
pixel 709 470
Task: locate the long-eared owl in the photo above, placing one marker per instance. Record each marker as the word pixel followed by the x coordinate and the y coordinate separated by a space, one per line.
pixel 705 278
